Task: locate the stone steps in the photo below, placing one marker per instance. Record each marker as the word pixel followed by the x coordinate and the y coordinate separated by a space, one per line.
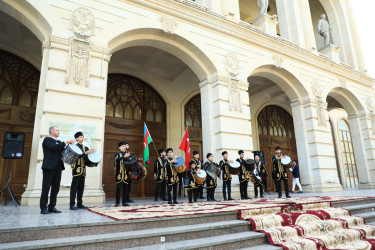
pixel 353 202
pixel 362 208
pixel 262 247
pixel 138 237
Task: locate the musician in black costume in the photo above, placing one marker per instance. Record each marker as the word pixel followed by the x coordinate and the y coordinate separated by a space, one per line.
pixel 210 181
pixel 122 174
pixel 198 164
pixel 159 175
pixel 259 172
pixel 192 186
pixel 243 175
pixel 171 177
pixel 279 173
pixel 79 174
pixel 226 176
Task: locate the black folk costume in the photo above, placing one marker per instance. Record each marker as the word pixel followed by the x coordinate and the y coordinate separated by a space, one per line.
pixel 258 169
pixel 279 175
pixel 198 165
pixel 192 187
pixel 172 181
pixel 243 178
pixel 78 180
pixel 227 179
pixel 122 179
pixel 159 176
pixel 211 183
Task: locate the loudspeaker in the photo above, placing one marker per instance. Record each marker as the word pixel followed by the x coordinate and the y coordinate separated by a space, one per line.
pixel 261 155
pixel 13 145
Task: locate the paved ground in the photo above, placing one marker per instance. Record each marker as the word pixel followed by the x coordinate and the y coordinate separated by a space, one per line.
pixel 15 217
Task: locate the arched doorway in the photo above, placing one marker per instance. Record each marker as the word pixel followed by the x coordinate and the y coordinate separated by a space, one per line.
pixel 193 119
pixel 275 128
pixel 130 103
pixel 19 81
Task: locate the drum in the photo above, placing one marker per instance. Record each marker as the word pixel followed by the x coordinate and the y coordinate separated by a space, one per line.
pixel 71 154
pixel 213 170
pixel 249 165
pixel 286 161
pixel 201 177
pixel 131 163
pixel 234 167
pixel 140 174
pixel 180 165
pixel 92 160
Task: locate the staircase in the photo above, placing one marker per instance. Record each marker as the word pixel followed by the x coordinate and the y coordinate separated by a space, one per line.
pixel 214 231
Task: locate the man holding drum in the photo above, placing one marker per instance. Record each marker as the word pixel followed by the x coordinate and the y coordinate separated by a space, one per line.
pixel 227 176
pixel 198 165
pixel 159 175
pixel 211 181
pixel 279 172
pixel 259 171
pixel 122 174
pixel 171 177
pixel 79 174
pixel 52 166
pixel 192 186
pixel 243 175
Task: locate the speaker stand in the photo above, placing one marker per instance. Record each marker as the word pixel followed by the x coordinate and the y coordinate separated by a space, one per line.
pixel 7 187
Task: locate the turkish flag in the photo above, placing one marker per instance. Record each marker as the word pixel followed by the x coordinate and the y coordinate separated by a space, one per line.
pixel 185 146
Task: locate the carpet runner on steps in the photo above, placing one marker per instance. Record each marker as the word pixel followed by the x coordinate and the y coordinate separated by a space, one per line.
pixel 311 226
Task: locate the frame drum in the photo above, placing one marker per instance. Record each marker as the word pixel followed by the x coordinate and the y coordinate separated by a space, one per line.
pixel 234 167
pixel 140 174
pixel 213 170
pixel 286 161
pixel 201 177
pixel 92 160
pixel 131 163
pixel 180 165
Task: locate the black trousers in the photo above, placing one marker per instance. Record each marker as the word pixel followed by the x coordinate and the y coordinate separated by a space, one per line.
pixel 125 192
pixel 160 190
pixel 256 190
pixel 51 180
pixel 181 177
pixel 264 181
pixel 190 194
pixel 76 188
pixel 210 194
pixel 129 189
pixel 200 191
pixel 174 189
pixel 227 185
pixel 278 186
pixel 243 189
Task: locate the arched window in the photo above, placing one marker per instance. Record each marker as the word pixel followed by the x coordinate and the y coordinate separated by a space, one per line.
pixel 131 98
pixel 193 113
pixel 348 158
pixel 275 121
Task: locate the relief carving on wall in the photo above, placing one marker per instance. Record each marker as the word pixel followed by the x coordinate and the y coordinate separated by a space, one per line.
pixel 342 82
pixel 321 106
pixel 169 24
pixel 371 108
pixel 279 60
pixel 234 90
pixel 83 25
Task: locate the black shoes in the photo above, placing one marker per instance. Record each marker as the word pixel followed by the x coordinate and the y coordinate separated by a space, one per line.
pixel 44 211
pixel 230 199
pixel 170 202
pixel 117 204
pixel 165 199
pixel 300 192
pixel 175 202
pixel 130 201
pixel 73 208
pixel 125 205
pixel 291 192
pixel 82 206
pixel 288 196
pixel 255 197
pixel 54 210
pixel 202 198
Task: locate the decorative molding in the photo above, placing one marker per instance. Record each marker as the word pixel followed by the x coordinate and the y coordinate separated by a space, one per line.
pixel 321 105
pixel 279 60
pixel 343 82
pixel 371 108
pixel 234 89
pixel 169 24
pixel 83 25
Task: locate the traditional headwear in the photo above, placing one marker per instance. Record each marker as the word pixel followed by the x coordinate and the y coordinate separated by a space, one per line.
pixel 195 153
pixel 240 152
pixel 169 149
pixel 122 143
pixel 78 134
pixel 277 148
pixel 208 155
pixel 161 151
pixel 224 152
pixel 191 163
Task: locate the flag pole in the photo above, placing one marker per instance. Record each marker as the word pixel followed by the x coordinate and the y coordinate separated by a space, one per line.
pixel 152 142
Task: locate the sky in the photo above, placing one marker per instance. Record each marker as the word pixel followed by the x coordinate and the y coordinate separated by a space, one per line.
pixel 364 14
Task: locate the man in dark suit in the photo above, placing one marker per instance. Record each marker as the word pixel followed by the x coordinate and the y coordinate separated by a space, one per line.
pixel 52 167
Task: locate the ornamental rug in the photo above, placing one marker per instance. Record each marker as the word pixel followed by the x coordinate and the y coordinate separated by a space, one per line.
pixel 312 226
pixel 165 210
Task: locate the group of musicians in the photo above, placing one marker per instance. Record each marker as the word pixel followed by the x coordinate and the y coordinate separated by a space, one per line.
pixel 167 179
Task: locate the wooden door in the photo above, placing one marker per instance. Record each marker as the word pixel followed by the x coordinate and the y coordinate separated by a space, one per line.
pixel 131 103
pixel 19 82
pixel 193 119
pixel 275 128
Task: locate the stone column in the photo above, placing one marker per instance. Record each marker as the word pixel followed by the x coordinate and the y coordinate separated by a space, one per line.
pixel 295 22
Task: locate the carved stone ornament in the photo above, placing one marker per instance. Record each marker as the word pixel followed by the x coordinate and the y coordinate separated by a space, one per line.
pixel 371 108
pixel 321 106
pixel 279 60
pixel 231 63
pixel 234 89
pixel 169 24
pixel 342 82
pixel 80 46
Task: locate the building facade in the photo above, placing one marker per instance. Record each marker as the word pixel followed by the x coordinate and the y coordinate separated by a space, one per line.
pixel 238 78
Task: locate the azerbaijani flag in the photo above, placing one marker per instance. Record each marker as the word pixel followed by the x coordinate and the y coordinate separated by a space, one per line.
pixel 146 141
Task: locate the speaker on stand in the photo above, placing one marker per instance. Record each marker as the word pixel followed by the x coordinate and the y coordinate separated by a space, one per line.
pixel 13 147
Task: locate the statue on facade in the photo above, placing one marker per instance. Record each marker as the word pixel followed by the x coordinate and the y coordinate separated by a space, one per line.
pixel 263 7
pixel 324 29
